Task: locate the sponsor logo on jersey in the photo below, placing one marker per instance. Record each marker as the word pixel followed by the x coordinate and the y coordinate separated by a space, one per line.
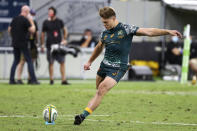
pixel 105 37
pixel 115 42
pixel 112 36
pixel 120 34
pixel 113 64
pixel 114 74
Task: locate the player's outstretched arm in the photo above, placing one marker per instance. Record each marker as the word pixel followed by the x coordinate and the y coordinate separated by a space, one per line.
pixel 157 32
pixel 97 50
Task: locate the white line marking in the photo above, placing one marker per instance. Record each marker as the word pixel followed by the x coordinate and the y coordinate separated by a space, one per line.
pixel 182 124
pixel 128 91
pixel 140 122
pixel 123 91
pixel 23 116
pixel 112 121
pixel 153 123
pixel 16 116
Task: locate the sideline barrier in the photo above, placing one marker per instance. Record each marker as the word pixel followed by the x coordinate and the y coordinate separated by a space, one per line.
pixel 74 66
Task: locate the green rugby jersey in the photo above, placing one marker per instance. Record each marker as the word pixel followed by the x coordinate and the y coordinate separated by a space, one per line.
pixel 117 43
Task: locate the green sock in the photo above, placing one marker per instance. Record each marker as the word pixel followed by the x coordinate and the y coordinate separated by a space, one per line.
pixel 85 113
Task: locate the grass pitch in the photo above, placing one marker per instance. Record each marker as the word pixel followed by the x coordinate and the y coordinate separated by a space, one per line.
pixel 137 106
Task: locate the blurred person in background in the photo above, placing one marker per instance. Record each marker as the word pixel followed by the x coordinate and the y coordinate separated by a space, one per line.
pixel 32 44
pixel 88 40
pixel 53 27
pixel 19 28
pixel 175 56
pixel 173 59
pixel 174 51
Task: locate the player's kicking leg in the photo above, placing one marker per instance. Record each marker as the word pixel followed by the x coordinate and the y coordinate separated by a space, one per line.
pixel 103 86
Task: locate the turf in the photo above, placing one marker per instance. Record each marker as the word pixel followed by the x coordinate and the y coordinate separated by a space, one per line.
pixel 138 106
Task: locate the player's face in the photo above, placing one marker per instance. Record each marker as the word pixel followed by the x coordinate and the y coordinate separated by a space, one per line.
pixel 51 13
pixel 108 23
pixel 88 33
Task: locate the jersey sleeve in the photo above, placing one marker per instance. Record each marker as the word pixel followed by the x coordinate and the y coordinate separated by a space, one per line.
pixel 101 37
pixel 130 29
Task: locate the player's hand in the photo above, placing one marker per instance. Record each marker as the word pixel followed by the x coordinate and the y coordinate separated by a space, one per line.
pixel 175 33
pixel 87 66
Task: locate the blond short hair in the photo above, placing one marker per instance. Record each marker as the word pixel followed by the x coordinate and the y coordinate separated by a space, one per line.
pixel 107 12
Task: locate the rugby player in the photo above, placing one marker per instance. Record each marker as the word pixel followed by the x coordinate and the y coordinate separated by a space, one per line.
pixel 117 40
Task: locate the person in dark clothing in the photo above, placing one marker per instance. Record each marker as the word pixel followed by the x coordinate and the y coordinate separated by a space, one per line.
pixel 19 28
pixel 53 28
pixel 32 40
pixel 174 51
pixel 88 40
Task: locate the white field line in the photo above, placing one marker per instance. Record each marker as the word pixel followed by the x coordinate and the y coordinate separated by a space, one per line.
pixel 182 93
pixel 127 91
pixel 152 123
pixel 141 122
pixel 23 116
pixel 15 116
pixel 112 121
